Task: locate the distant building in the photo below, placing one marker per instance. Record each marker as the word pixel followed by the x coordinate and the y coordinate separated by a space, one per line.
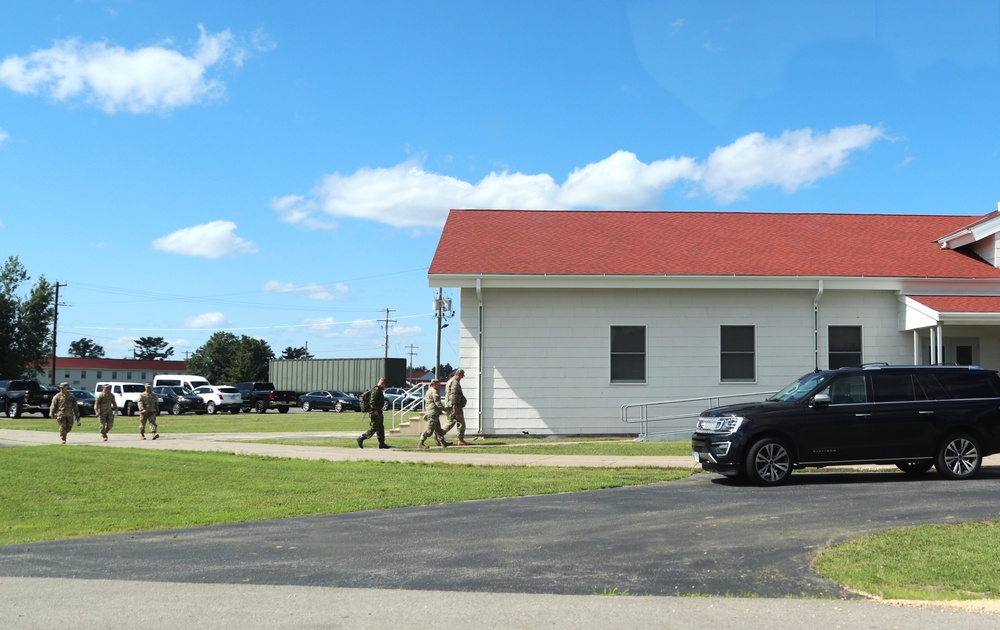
pixel 86 373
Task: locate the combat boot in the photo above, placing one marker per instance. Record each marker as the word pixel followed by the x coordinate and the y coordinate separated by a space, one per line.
pixel 421 444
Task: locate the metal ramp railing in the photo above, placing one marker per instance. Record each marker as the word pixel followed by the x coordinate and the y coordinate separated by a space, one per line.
pixel 398 413
pixel 675 419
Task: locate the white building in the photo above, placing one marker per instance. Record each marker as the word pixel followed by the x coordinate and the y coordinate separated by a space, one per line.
pixel 568 315
pixel 86 373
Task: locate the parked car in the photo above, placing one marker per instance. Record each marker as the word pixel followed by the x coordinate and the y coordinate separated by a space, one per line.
pixel 85 401
pixel 912 416
pixel 393 395
pixel 126 395
pixel 327 399
pixel 25 396
pixel 176 400
pixel 220 398
pixel 261 396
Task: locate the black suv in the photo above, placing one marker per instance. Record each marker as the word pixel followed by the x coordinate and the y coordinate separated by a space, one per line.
pixel 176 400
pixel 912 416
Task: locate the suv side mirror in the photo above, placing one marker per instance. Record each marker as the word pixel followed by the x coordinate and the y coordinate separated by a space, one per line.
pixel 820 400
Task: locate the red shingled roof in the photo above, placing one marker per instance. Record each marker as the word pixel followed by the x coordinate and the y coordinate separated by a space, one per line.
pixel 556 242
pixel 960 303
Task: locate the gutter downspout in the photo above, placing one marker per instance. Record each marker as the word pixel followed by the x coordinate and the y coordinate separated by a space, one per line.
pixel 819 294
pixel 479 386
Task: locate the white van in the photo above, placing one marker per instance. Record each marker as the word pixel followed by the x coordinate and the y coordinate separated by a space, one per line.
pixel 187 381
pixel 126 395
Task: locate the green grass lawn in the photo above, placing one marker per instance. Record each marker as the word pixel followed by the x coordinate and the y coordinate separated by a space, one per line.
pixel 616 447
pixel 957 561
pixel 216 423
pixel 53 492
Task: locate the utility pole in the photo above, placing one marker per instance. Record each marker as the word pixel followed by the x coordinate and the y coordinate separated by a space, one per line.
pixel 55 327
pixel 387 322
pixel 412 348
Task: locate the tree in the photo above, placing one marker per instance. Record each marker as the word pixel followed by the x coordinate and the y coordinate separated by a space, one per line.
pixel 226 358
pixel 295 353
pixel 25 322
pixel 152 348
pixel 86 349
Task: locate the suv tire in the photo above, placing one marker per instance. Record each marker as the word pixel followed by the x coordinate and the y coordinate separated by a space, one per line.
pixel 14 410
pixel 210 408
pixel 959 457
pixel 768 463
pixel 261 407
pixel 176 409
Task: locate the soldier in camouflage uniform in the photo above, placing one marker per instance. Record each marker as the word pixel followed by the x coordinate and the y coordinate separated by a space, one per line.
pixel 376 425
pixel 149 408
pixel 64 409
pixel 454 401
pixel 105 408
pixel 432 414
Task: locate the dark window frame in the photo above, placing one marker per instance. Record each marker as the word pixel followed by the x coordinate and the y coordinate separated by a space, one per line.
pixel 737 358
pixel 627 365
pixel 849 354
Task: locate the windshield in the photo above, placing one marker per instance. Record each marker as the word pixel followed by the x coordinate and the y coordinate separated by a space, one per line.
pixel 132 389
pixel 800 388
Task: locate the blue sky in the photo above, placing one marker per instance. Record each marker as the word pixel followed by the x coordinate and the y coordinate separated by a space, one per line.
pixel 283 170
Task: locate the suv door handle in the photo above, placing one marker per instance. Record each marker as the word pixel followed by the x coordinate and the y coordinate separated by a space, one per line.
pixel 862 415
pixel 926 413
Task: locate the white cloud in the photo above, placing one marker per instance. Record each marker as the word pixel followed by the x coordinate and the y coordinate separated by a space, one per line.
pixel 406 195
pixel 312 290
pixel 205 320
pixel 113 78
pixel 210 240
pixel 3 135
pixel 793 160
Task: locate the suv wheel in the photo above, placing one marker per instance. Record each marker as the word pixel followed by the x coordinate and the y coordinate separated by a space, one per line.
pixel 768 463
pixel 261 407
pixel 129 408
pixel 307 406
pixel 339 407
pixel 14 410
pixel 914 468
pixel 176 409
pixel 210 407
pixel 958 457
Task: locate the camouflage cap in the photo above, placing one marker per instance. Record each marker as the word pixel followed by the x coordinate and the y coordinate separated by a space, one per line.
pixel 63 384
pixel 434 381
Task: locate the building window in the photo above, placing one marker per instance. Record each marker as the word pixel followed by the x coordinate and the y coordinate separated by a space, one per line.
pixel 628 354
pixel 128 375
pixel 114 374
pixel 738 357
pixel 100 374
pixel 143 376
pixel 845 346
pixel 83 373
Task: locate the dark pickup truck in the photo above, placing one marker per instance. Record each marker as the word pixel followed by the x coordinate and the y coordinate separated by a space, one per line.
pixel 261 396
pixel 24 396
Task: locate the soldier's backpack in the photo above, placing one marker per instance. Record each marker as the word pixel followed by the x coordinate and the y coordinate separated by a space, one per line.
pixel 366 401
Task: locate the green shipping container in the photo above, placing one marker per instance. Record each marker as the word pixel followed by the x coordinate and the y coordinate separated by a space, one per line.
pixel 348 375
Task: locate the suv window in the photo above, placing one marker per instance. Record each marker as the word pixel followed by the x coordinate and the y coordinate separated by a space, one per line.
pixel 848 390
pixel 968 384
pixel 896 387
